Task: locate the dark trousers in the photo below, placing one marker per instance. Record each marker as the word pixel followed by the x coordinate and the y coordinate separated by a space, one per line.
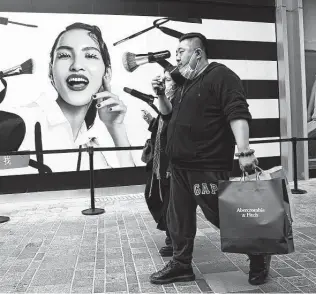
pixel 154 191
pixel 189 189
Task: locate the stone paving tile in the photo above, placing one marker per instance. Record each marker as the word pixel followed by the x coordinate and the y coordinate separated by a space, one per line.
pixel 308 274
pixel 273 287
pixel 307 264
pixel 81 274
pixel 114 277
pixel 58 262
pixel 216 266
pixel 300 281
pixel 308 289
pixel 143 277
pixel 278 264
pixel 99 286
pixel 132 279
pixel 288 272
pixel 204 286
pixel 147 287
pixel 50 247
pixel 293 264
pixel 114 269
pixel 81 290
pixel 298 257
pixel 52 277
pixel 250 291
pixel 226 282
pixel 188 289
pixel 287 285
pixel 133 288
pixel 85 265
pixel 116 287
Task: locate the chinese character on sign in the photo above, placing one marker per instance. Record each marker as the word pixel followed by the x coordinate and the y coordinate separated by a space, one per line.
pixel 7 160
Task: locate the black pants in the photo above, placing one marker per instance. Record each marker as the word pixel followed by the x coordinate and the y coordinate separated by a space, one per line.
pixel 154 191
pixel 189 189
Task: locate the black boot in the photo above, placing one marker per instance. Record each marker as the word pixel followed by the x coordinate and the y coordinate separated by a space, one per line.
pixel 168 240
pixel 259 268
pixel 166 251
pixel 173 272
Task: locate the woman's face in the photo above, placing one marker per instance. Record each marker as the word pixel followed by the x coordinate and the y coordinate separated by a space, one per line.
pixel 168 80
pixel 78 67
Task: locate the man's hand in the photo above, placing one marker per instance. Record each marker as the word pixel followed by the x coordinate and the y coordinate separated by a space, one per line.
pixel 248 164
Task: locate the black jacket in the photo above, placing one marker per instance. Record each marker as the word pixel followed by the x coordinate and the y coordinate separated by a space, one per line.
pixel 164 161
pixel 156 205
pixel 199 135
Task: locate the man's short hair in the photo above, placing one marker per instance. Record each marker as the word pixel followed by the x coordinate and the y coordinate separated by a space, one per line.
pixel 201 37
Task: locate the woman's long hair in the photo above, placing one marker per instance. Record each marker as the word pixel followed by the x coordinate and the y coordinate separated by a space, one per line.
pixel 94 33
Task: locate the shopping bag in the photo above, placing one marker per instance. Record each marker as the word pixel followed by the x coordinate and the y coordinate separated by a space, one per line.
pixel 278 172
pixel 255 217
pixel 275 172
pixel 147 153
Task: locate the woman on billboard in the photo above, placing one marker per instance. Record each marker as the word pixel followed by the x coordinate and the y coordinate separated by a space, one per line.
pixel 86 112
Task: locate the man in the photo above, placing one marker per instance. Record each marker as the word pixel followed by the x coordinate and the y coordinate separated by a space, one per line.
pixel 208 114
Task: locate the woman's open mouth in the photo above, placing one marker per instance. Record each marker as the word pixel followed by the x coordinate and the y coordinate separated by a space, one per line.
pixel 77 82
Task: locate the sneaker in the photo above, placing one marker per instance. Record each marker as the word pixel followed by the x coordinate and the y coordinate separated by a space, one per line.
pixel 259 269
pixel 173 272
pixel 166 251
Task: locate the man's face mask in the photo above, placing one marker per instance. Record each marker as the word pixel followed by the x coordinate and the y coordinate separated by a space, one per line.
pixel 188 71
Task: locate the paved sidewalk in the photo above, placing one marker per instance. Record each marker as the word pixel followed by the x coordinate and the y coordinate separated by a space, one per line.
pixel 50 247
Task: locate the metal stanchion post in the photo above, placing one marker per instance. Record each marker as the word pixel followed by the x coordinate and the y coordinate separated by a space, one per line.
pixel 295 190
pixel 92 210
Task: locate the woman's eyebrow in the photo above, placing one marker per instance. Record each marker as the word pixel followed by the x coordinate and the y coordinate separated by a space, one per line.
pixel 64 47
pixel 90 48
pixel 84 49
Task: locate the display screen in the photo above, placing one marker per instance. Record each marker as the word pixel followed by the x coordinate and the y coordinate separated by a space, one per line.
pixel 70 68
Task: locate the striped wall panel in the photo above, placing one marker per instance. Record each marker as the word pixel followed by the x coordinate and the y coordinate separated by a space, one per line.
pixel 259 89
pixel 250 50
pixel 241 34
pixel 243 50
pixel 204 9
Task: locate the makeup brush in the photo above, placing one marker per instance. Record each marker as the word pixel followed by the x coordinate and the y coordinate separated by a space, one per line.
pixel 26 67
pixel 5 21
pixel 131 61
pixel 157 23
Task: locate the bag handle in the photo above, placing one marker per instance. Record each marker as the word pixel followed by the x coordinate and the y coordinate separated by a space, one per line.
pixel 258 172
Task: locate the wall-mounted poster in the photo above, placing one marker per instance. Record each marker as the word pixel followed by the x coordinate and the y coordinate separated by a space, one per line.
pixel 76 92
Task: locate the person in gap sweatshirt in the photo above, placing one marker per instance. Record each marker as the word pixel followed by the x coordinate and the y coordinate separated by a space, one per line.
pixel 207 115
